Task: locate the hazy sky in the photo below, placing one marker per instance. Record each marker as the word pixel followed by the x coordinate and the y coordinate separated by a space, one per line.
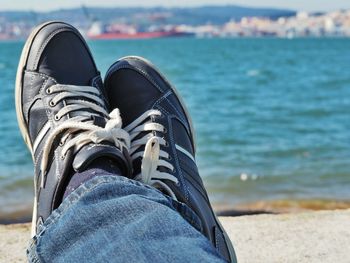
pixel 43 5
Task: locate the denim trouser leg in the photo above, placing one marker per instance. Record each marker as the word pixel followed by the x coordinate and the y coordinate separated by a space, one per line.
pixel 114 219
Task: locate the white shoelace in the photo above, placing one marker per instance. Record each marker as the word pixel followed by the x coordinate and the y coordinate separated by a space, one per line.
pixel 152 156
pixel 89 133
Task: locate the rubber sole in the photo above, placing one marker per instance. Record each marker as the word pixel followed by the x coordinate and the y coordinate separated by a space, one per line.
pixel 19 110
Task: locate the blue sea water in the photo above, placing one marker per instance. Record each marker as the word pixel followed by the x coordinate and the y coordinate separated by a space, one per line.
pixel 272 116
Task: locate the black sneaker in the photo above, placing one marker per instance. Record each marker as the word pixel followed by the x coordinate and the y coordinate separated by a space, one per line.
pixel 63 114
pixel 162 143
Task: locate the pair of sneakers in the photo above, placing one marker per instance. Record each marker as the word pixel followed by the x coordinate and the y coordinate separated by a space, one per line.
pixel 69 117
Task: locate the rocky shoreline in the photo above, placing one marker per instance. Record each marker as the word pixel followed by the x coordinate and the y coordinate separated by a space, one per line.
pixel 322 236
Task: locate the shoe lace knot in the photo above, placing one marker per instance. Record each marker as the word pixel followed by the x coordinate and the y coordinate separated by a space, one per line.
pixel 86 103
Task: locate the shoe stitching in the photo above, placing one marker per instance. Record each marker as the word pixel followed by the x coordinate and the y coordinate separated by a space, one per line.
pixel 198 187
pixel 39 74
pixel 177 111
pixel 163 97
pixel 30 103
pixel 186 190
pixel 94 81
pixel 182 179
pixel 116 67
pixel 216 239
pixel 182 161
pixel 157 103
pixel 48 39
pixel 36 161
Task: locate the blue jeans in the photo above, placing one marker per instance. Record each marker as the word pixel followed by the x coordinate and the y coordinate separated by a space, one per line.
pixel 115 219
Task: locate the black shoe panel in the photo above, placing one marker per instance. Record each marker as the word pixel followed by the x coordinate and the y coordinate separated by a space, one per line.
pixel 180 125
pixel 135 86
pixel 140 92
pixel 46 55
pixel 56 54
pixel 39 72
pixel 76 67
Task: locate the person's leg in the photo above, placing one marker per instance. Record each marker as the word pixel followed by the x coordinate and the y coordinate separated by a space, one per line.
pixel 114 219
pixel 65 121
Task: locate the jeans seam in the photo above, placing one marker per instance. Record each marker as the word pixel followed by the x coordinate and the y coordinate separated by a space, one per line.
pixel 32 254
pixel 187 213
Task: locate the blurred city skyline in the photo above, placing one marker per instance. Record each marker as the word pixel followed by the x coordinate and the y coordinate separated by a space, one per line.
pixel 299 5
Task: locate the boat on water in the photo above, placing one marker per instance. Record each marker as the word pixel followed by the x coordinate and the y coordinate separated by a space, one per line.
pixel 121 31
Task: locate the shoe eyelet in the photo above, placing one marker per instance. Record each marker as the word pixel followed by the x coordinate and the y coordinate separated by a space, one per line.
pixel 62 157
pixel 165 130
pixel 166 144
pixel 169 158
pixel 57 118
pixel 52 104
pixel 61 143
pixel 48 91
pixel 173 171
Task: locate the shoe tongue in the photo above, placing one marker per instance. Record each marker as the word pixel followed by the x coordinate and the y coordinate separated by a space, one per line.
pixel 90 152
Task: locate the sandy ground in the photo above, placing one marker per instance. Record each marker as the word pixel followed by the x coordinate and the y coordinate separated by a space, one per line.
pixel 322 236
pixel 13 242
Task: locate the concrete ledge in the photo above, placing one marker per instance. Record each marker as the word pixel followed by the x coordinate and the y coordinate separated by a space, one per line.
pixel 322 236
pixel 13 242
